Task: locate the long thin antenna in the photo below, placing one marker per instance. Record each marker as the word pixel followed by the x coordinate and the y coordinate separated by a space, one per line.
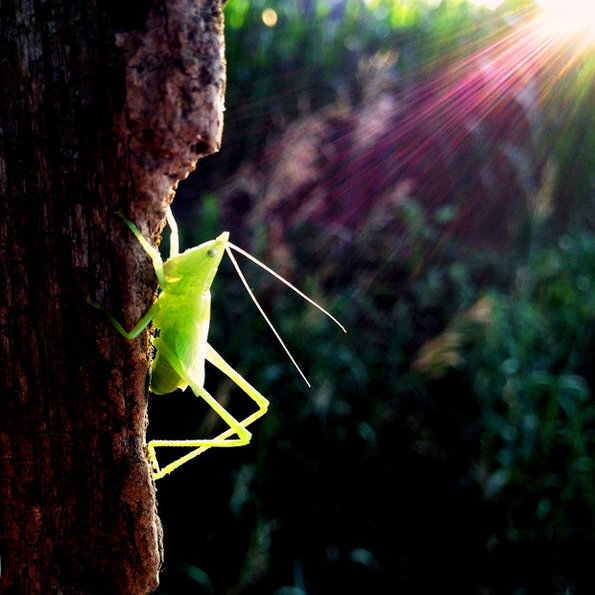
pixel 237 267
pixel 277 276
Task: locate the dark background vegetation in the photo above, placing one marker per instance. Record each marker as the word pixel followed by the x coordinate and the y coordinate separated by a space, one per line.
pixel 427 174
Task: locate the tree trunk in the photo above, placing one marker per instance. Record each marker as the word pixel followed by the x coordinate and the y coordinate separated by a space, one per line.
pixel 104 106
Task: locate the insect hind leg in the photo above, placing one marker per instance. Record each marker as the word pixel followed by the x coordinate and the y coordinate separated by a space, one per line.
pixel 214 358
pixel 222 440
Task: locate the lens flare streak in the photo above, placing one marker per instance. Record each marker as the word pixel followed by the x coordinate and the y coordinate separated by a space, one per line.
pixel 442 113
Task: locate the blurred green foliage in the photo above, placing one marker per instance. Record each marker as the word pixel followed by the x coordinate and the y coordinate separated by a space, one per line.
pixel 448 439
pixel 531 369
pixel 525 353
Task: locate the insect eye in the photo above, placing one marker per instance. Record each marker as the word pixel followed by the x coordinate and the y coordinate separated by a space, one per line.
pixel 212 252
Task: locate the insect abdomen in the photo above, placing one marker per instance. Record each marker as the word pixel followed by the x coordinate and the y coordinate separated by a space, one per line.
pixel 164 379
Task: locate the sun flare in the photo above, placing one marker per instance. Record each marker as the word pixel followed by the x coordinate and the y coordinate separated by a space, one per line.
pixel 573 15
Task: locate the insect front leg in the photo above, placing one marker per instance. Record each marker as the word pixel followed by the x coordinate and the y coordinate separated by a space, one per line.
pixel 174 239
pixel 151 251
pixel 223 439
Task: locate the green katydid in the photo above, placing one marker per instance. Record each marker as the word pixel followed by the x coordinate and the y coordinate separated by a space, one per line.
pixel 182 314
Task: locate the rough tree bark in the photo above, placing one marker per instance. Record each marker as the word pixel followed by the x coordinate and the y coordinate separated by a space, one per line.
pixel 104 106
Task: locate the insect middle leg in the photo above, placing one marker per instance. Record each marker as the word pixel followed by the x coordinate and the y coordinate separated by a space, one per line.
pixel 140 325
pixel 235 427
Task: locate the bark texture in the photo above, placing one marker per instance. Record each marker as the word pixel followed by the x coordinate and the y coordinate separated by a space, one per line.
pixel 104 106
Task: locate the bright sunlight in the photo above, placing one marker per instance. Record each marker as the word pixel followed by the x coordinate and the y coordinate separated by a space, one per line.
pixel 577 15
